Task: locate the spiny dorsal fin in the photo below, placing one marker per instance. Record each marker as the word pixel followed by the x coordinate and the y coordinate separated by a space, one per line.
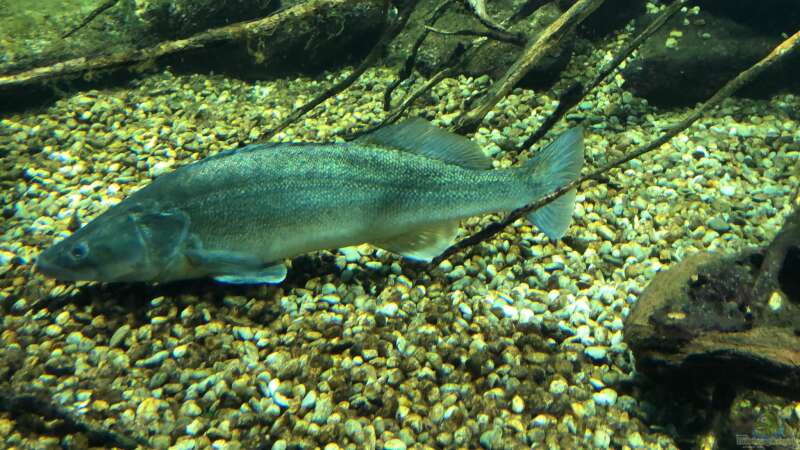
pixel 420 137
pixel 422 244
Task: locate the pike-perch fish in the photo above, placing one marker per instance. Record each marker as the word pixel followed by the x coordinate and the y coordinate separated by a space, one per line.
pixel 239 215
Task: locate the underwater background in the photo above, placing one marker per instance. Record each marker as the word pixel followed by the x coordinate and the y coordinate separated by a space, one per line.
pixel 516 342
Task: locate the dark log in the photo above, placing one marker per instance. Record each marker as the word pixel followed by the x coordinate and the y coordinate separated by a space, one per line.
pixel 703 320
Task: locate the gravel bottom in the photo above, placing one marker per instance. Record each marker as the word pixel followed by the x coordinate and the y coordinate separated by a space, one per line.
pixel 514 343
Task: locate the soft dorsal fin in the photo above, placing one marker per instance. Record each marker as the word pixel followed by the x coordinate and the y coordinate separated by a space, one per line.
pixel 422 244
pixel 420 137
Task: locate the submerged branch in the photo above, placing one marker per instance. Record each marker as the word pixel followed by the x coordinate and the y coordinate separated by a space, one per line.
pixel 576 92
pixel 533 53
pixel 40 406
pixel 511 38
pixel 92 15
pixel 408 67
pixel 726 91
pixel 292 18
pixel 377 50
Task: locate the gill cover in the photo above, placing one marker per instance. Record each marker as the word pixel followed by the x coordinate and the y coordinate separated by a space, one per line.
pixel 150 244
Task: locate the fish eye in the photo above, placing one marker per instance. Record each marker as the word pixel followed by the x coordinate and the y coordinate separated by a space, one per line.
pixel 79 251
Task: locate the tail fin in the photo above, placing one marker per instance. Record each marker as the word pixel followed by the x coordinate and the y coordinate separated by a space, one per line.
pixel 551 168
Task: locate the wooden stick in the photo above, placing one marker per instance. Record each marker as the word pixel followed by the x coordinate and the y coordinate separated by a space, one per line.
pixel 516 39
pixel 41 405
pixel 377 50
pixel 408 66
pixel 92 15
pixel 533 53
pixel 726 91
pixel 296 17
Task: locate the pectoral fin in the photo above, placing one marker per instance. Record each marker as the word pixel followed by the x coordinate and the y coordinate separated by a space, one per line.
pixel 422 244
pixel 236 267
pixel 268 275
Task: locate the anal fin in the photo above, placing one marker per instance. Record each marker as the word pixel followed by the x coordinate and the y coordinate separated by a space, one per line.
pixel 422 244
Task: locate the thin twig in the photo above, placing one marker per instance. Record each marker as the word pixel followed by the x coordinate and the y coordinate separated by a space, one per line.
pixel 376 52
pixel 726 91
pixel 511 38
pixel 92 15
pixel 408 67
pixel 576 92
pixel 478 8
pixel 33 404
pixel 396 113
pixel 533 53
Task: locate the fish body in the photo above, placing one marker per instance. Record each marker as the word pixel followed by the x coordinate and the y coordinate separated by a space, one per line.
pixel 238 215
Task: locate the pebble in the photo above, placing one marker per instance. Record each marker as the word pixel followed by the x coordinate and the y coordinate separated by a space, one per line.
pixel 195 427
pixel 718 224
pixel 601 439
pixel 517 404
pixel 558 386
pixel 119 336
pixel 153 361
pixel 322 410
pixel 394 444
pixel 351 255
pixel 147 411
pixel 491 438
pixel 775 301
pixel 635 440
pixel 596 352
pixel 388 309
pixel 606 397
pixel 309 401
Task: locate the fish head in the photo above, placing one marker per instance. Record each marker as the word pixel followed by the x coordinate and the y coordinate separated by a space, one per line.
pixel 110 248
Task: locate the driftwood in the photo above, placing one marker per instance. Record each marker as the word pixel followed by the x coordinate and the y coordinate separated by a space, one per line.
pixel 298 19
pixel 533 53
pixel 726 91
pixel 704 320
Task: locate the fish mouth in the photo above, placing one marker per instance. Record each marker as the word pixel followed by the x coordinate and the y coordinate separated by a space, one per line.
pixel 47 268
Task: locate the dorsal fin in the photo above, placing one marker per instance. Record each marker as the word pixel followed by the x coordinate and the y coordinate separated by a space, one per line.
pixel 420 137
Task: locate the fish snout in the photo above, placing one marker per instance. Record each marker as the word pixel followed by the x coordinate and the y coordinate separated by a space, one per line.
pixel 47 265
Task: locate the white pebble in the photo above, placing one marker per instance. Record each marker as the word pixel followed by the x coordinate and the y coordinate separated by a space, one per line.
pixel 517 404
pixel 606 397
pixel 558 386
pixel 596 352
pixel 388 309
pixel 394 444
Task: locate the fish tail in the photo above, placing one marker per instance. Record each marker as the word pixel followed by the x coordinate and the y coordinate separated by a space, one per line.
pixel 550 169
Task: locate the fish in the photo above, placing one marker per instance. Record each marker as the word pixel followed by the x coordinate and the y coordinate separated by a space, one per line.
pixel 237 216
